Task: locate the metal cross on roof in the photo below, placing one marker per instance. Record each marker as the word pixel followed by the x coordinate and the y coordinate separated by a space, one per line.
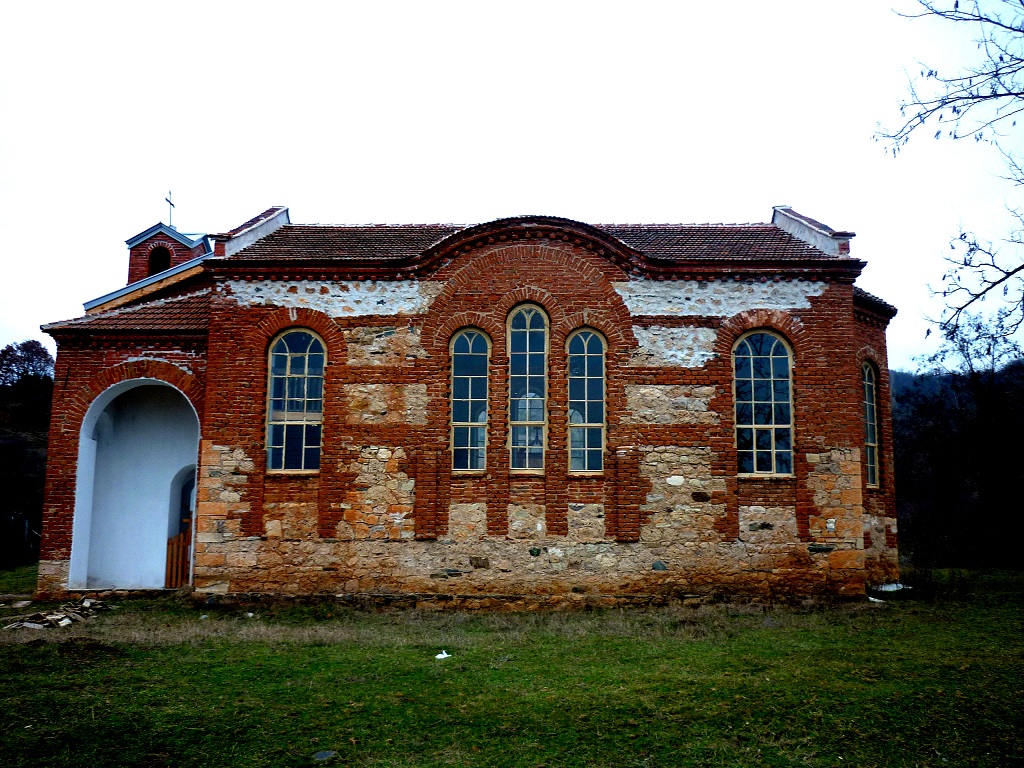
pixel 170 211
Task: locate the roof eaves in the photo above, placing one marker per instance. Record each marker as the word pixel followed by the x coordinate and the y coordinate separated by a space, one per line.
pixel 145 282
pixel 161 228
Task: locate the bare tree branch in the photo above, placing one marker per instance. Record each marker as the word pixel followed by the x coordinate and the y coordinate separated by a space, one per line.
pixel 981 102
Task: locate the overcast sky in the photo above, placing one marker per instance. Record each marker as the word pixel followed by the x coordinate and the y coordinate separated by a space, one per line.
pixel 466 112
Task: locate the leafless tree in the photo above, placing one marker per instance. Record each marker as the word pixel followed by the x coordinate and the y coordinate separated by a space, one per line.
pixel 980 101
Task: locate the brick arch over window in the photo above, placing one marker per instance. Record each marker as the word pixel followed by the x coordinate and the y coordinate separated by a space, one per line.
pixel 263 333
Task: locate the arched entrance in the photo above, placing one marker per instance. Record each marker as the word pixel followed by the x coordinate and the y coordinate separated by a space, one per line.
pixel 135 485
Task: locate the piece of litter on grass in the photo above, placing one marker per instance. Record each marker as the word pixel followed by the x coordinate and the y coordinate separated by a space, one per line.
pixel 874 600
pixel 324 755
pixel 892 587
pixel 442 655
pixel 21 604
pixel 204 616
pixel 249 615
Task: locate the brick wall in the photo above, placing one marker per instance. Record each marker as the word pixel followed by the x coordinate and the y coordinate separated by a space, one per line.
pixel 385 513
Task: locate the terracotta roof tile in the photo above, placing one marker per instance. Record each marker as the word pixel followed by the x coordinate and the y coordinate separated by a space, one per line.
pixel 660 241
pixel 181 313
pixel 879 305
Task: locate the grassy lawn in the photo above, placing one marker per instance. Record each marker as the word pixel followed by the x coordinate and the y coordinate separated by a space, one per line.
pixel 923 682
pixel 19 581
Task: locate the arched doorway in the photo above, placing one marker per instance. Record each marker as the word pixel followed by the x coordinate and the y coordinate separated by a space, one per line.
pixel 135 484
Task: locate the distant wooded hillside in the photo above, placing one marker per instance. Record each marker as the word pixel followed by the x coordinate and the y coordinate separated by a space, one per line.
pixel 26 386
pixel 959 464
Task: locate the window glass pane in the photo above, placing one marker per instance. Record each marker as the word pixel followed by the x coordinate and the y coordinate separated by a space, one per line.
pixel 595 366
pixel 476 365
pixel 518 458
pixel 742 367
pixel 744 391
pixel 535 435
pixel 762 413
pixel 745 461
pixel 744 413
pixel 460 388
pixel 316 365
pixel 577 389
pixel 782 439
pixel 780 367
pixel 577 438
pixel 297 365
pixel 277 434
pixel 460 458
pixel 279 365
pixel 460 437
pixel 764 461
pixel 594 460
pixel 537 341
pixel 478 410
pixel 784 463
pixel 312 458
pixel 595 389
pixel 293 446
pixel 782 413
pixel 477 437
pixel 297 387
pixel 536 364
pixel 275 458
pixel 478 388
pixel 762 391
pixel 298 341
pixel 460 410
pixel 518 341
pixel 594 437
pixel 763 439
pixel 744 439
pixel 577 460
pixel 535 457
pixel 577 345
pixel 781 390
pixel 577 363
pixel 576 411
pixel 518 435
pixel 595 412
pixel 314 388
pixel 536 409
pixel 762 368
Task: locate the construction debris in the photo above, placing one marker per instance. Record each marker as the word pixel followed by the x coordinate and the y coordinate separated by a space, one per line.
pixel 64 616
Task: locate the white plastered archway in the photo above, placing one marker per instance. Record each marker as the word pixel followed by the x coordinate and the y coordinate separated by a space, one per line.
pixel 138 448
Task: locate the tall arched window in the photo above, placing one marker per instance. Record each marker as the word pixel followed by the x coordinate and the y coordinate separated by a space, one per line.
pixel 528 386
pixel 586 402
pixel 870 423
pixel 295 401
pixel 470 351
pixel 764 408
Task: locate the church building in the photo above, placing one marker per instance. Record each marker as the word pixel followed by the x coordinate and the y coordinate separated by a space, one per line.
pixel 530 411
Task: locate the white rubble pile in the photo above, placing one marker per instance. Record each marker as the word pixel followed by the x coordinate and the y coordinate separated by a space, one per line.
pixel 64 616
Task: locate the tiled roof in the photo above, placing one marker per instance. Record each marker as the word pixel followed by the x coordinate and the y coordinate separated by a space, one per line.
pixel 387 243
pixel 377 241
pixel 859 294
pixel 712 241
pixel 180 313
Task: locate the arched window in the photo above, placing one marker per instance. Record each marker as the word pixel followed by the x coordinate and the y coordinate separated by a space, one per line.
pixel 528 385
pixel 586 402
pixel 870 423
pixel 764 408
pixel 159 260
pixel 470 351
pixel 295 392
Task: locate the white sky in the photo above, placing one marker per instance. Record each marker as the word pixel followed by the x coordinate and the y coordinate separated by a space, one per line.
pixel 467 112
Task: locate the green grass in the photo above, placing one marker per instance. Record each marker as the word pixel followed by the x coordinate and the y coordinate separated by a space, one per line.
pixel 918 682
pixel 19 581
